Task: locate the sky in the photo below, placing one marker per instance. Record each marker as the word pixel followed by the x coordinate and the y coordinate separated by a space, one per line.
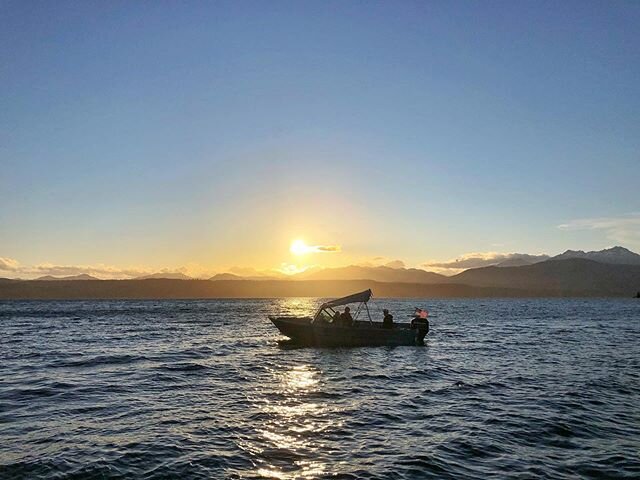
pixel 201 136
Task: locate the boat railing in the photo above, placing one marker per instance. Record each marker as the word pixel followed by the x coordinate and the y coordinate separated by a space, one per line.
pixel 331 312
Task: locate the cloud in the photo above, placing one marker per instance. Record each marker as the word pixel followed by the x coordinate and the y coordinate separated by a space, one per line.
pixel 291 269
pixel 443 271
pixel 326 248
pixel 481 259
pixel 245 271
pixel 621 229
pixel 382 262
pixel 254 272
pixel 395 264
pixel 99 270
pixel 102 271
pixel 298 247
pixel 9 264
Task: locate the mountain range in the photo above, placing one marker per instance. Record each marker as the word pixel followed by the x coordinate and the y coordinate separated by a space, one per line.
pixel 379 274
pixel 615 255
pixel 573 276
pixel 233 276
pixel 610 272
pixel 612 256
pixel 171 276
pixel 82 276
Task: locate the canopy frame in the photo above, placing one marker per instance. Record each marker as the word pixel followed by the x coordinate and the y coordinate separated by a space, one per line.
pixel 362 298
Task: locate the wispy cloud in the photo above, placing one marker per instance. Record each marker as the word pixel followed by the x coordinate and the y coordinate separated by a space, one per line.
pixel 291 269
pixel 623 229
pixel 395 264
pixel 100 270
pixel 13 268
pixel 480 259
pixel 326 248
pixel 284 268
pixel 245 271
pixel 9 264
pixel 382 262
pixel 299 247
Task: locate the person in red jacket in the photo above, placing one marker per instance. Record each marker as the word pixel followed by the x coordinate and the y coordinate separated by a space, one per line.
pixel 420 323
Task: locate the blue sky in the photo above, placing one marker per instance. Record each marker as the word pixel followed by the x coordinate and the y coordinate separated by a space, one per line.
pixel 150 135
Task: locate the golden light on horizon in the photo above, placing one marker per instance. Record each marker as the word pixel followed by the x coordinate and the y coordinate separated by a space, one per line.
pixel 298 247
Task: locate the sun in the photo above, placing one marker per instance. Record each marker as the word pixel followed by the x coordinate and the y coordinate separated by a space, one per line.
pixel 298 247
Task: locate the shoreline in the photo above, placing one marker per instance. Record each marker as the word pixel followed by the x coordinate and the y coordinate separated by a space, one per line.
pixel 167 289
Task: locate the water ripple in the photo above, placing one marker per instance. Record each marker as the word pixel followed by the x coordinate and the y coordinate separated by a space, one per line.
pixel 207 389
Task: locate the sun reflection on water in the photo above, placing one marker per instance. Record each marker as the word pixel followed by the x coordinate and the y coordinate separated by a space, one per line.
pixel 299 307
pixel 289 443
pixel 301 378
pixel 307 469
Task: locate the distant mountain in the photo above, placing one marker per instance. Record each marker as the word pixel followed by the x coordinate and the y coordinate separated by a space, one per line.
pixel 378 274
pixel 170 276
pixel 514 262
pixel 226 276
pixel 615 255
pixel 164 288
pixel 573 276
pixel 353 272
pixel 82 276
pixel 233 276
pixel 522 260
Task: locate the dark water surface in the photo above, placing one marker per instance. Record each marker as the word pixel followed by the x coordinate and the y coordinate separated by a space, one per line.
pixel 202 389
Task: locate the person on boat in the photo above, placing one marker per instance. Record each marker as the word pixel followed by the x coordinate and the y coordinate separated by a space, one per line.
pixel 323 318
pixel 420 323
pixel 387 322
pixel 336 318
pixel 346 320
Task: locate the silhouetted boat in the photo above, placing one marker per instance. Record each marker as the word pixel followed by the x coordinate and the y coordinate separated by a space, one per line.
pixel 317 331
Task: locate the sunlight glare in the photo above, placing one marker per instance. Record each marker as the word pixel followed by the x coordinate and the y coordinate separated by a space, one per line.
pixel 298 247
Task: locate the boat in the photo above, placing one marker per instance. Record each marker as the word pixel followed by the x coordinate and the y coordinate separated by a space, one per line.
pixel 319 331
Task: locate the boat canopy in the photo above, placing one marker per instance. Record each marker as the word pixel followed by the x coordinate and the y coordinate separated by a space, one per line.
pixel 356 297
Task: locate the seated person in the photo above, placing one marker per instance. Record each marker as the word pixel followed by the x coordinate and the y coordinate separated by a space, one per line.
pixel 387 322
pixel 336 318
pixel 346 320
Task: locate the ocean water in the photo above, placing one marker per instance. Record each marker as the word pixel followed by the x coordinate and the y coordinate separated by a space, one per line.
pixel 203 389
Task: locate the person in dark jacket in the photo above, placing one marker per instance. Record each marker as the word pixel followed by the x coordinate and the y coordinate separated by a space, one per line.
pixel 336 319
pixel 387 322
pixel 346 320
pixel 420 323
